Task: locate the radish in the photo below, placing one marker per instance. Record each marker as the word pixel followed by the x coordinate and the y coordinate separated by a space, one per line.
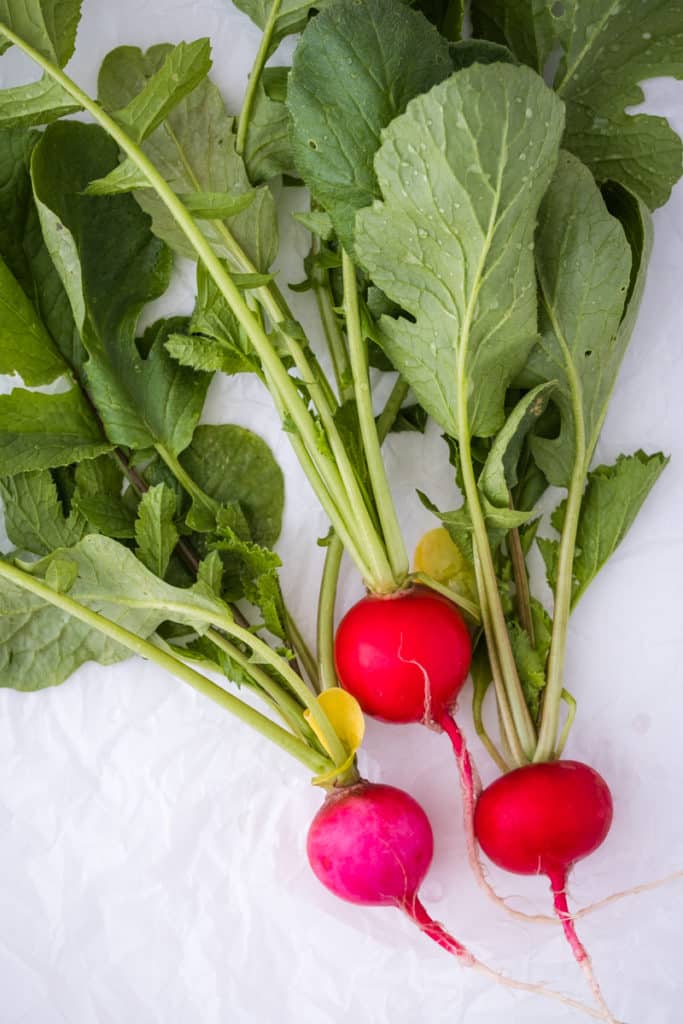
pixel 404 658
pixel 372 845
pixel 541 819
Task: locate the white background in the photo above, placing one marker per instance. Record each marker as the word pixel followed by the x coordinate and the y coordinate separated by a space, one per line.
pixel 152 864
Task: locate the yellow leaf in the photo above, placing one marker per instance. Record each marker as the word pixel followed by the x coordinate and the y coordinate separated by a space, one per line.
pixel 437 555
pixel 346 718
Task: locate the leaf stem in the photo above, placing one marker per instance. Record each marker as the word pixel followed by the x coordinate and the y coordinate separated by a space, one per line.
pixel 550 716
pixel 326 603
pixel 507 723
pixel 393 538
pixel 255 76
pixel 389 413
pixel 185 480
pixel 301 649
pixel 264 653
pixel 336 345
pixel 137 645
pixel 289 708
pixel 493 617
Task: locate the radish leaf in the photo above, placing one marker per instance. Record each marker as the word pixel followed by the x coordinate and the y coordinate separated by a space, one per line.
pixel 355 69
pixel 584 267
pixel 154 529
pixel 462 173
pixel 291 17
pixel 608 49
pixel 194 149
pixel 35 519
pixel 36 103
pixel 235 466
pixel 49 26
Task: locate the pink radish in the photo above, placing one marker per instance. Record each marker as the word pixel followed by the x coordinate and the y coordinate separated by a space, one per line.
pixel 541 819
pixel 372 845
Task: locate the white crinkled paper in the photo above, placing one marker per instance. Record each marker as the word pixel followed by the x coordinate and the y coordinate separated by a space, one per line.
pixel 152 850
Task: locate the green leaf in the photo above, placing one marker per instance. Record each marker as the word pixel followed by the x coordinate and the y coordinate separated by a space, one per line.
pixel 16 146
pixel 41 646
pixel 479 51
pixel 499 475
pixel 49 26
pixel 35 520
pixel 26 347
pixel 318 223
pixel 215 340
pixel 36 103
pixel 462 173
pixel 291 18
pixel 126 177
pixel 111 266
pixel 154 530
pixel 251 573
pixel 531 659
pixel 550 550
pixel 234 466
pixel 447 15
pixel 98 497
pixel 183 68
pixel 611 502
pixel 356 67
pixel 584 265
pixel 608 49
pixel 39 431
pixel 217 205
pixel 268 150
pixel 194 149
pixel 210 572
pixel 61 574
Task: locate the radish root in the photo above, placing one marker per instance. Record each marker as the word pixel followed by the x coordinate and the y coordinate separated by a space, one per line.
pixel 436 931
pixel 470 787
pixel 558 884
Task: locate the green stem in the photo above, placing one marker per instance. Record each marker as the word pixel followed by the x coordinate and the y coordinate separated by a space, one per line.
pixel 521 577
pixel 303 753
pixel 333 335
pixel 384 501
pixel 255 76
pixel 326 603
pixel 186 481
pixel 285 705
pixel 301 649
pixel 552 696
pixel 296 684
pixel 326 500
pixel 571 714
pixel 497 636
pixel 387 417
pixel 508 730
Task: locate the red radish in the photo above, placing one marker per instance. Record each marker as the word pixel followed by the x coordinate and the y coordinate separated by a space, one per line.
pixel 541 819
pixel 405 657
pixel 372 845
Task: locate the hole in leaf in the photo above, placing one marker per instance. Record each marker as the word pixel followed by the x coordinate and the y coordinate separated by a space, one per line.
pixel 588 352
pixel 312 144
pixel 557 10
